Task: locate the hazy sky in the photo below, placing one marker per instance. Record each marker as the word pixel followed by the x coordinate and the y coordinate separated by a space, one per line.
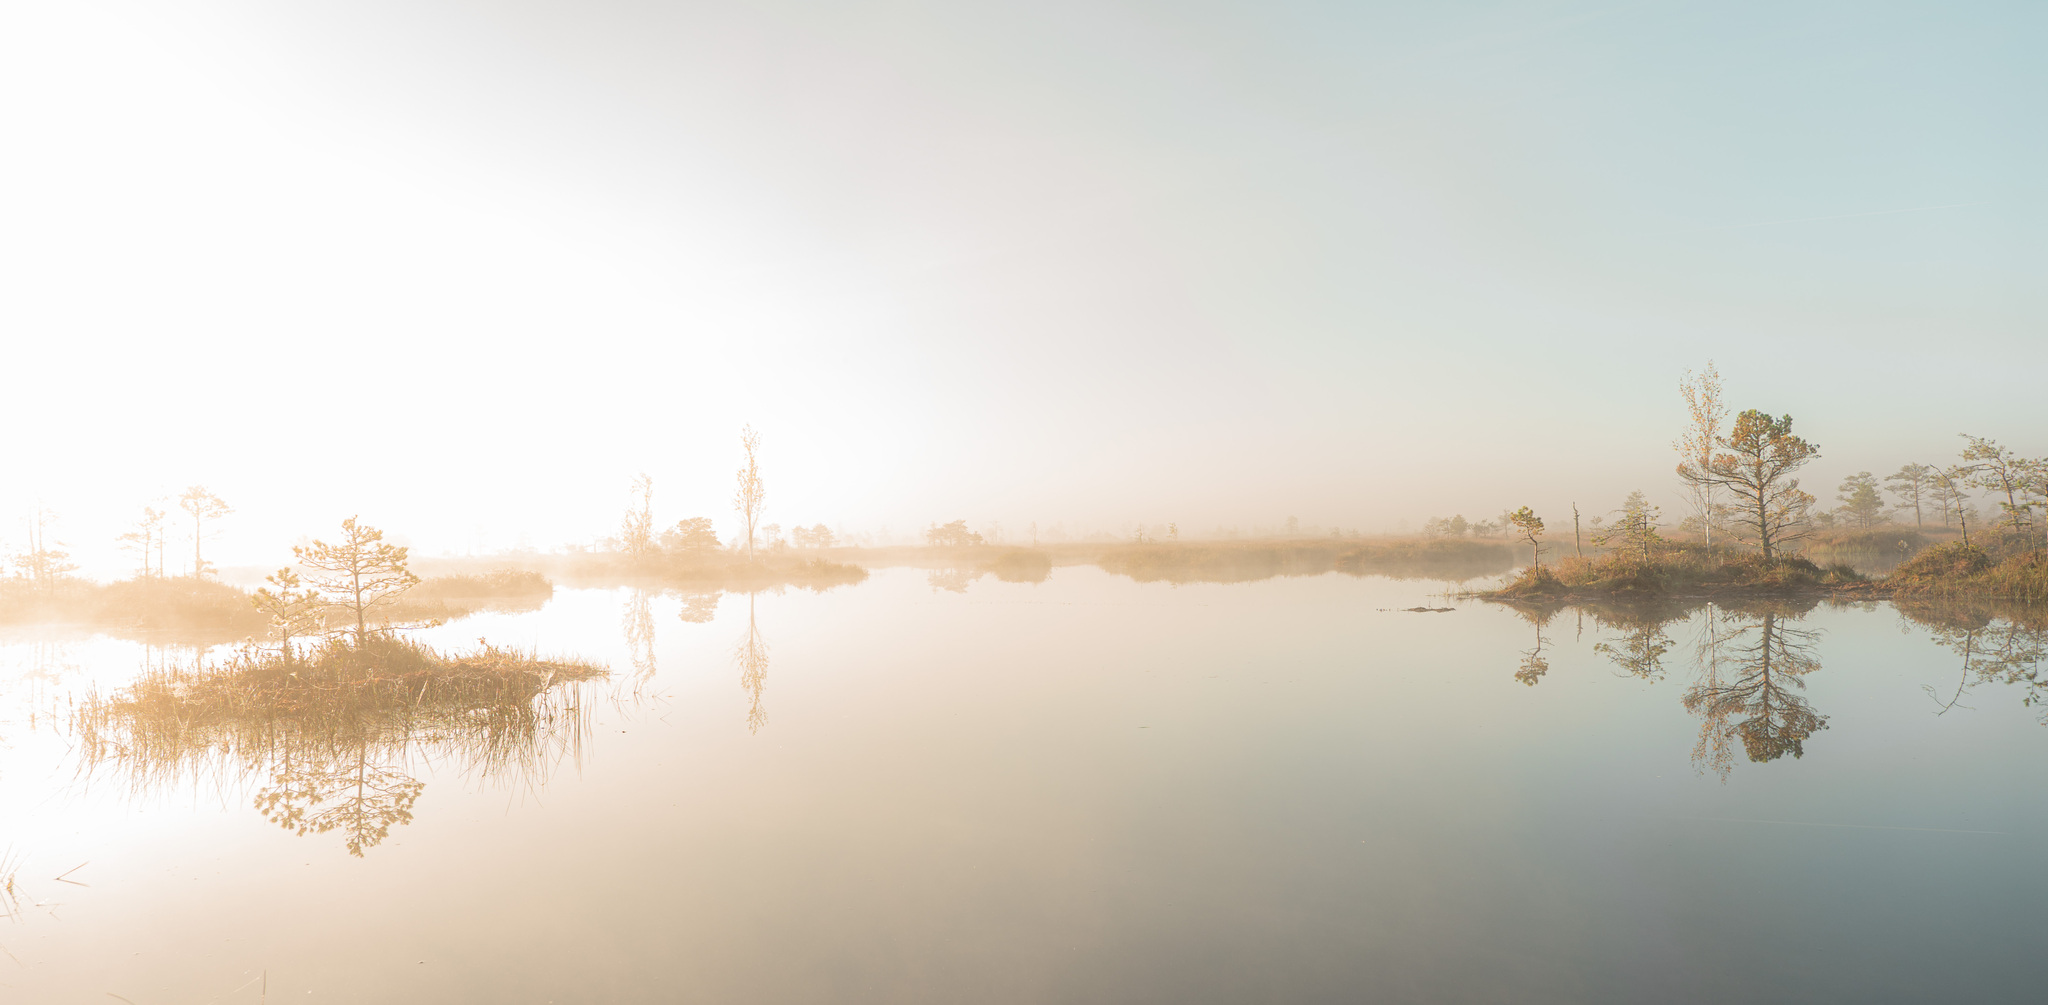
pixel 464 268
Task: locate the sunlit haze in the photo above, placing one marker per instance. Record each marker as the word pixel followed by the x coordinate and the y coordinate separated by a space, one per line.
pixel 466 269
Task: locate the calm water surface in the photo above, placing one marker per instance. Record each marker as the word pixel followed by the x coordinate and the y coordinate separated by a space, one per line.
pixel 1084 790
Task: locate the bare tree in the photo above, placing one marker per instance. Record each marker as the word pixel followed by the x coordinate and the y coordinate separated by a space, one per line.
pixel 1704 415
pixel 147 539
pixel 1756 462
pixel 361 572
pixel 203 506
pixel 752 493
pixel 636 529
pixel 46 561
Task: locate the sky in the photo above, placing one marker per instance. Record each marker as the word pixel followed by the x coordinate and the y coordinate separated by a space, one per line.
pixel 464 269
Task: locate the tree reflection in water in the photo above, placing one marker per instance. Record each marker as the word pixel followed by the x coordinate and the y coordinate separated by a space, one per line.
pixel 638 623
pixel 1751 664
pixel 334 739
pixel 751 657
pixel 1533 665
pixel 1748 691
pixel 1994 643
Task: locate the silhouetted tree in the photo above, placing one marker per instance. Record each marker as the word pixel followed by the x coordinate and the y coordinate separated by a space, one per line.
pixel 45 562
pixel 147 539
pixel 1861 505
pixel 691 535
pixel 1910 484
pixel 1531 527
pixel 1756 462
pixel 952 535
pixel 360 572
pixel 202 506
pixel 752 493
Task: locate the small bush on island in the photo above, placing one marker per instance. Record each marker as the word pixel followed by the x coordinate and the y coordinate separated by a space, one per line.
pixel 1020 565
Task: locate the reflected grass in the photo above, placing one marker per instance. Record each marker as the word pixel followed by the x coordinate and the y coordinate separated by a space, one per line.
pixel 335 729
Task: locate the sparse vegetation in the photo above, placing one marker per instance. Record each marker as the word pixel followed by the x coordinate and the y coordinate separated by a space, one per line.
pixel 331 731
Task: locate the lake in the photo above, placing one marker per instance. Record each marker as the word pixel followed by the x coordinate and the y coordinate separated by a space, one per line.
pixel 929 788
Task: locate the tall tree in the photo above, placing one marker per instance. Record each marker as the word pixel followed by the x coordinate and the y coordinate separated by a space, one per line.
pixel 1910 485
pixel 1531 526
pixel 294 611
pixel 202 506
pixel 359 573
pixel 1949 483
pixel 1945 486
pixel 1998 469
pixel 1861 504
pixel 752 493
pixel 636 529
pixel 1704 414
pixel 46 561
pixel 1756 462
pixel 147 539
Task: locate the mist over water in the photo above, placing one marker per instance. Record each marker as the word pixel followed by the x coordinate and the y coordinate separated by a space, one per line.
pixel 1087 787
pixel 1532 501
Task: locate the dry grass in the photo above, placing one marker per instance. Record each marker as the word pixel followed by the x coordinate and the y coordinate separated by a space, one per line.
pixel 337 700
pixel 1960 570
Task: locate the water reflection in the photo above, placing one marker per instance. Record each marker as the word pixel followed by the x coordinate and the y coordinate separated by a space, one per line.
pixel 1748 690
pixel 1991 643
pixel 335 751
pixel 1749 667
pixel 1533 665
pixel 751 657
pixel 638 623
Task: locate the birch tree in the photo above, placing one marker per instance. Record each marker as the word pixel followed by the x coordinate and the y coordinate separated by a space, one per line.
pixel 1756 462
pixel 1704 414
pixel 752 492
